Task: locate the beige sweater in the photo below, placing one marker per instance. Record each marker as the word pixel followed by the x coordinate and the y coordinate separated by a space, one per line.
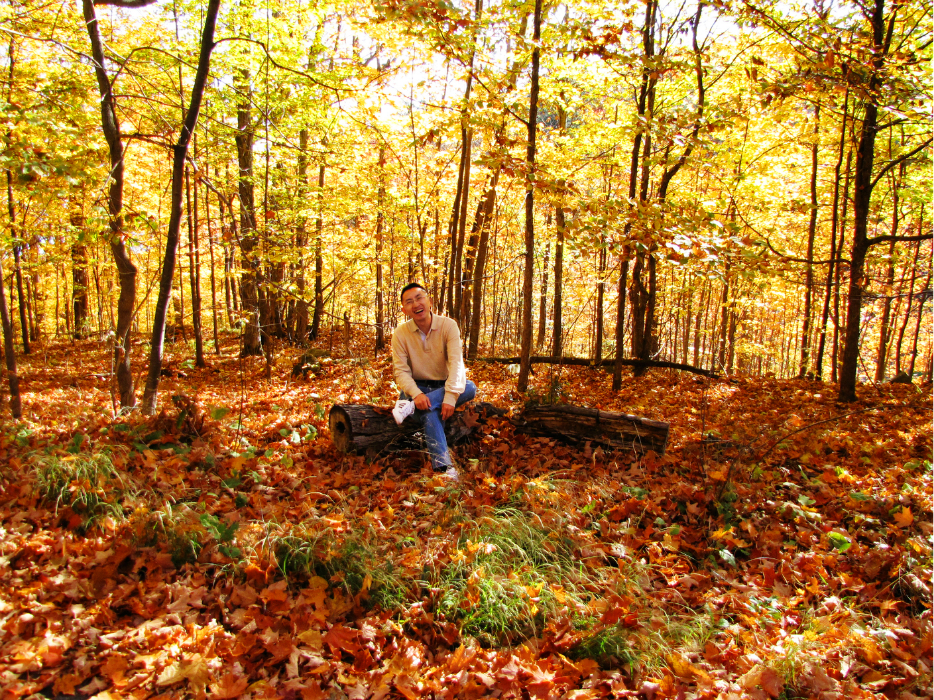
pixel 436 356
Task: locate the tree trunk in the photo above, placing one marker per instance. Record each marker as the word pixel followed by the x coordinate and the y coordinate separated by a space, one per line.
pixel 543 300
pixel 380 340
pixel 525 365
pixel 619 431
pixel 914 343
pixel 834 250
pixel 175 219
pixel 252 272
pixel 17 265
pixel 319 261
pixel 557 320
pixel 601 285
pixel 720 355
pixel 16 406
pixel 125 267
pixel 837 326
pixel 194 269
pixel 301 240
pixel 207 216
pixel 911 291
pixel 489 202
pixel 79 289
pixel 862 193
pixel 809 268
pixel 369 430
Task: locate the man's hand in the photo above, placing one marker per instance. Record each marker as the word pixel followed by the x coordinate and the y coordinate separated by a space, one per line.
pixel 422 403
pixel 447 410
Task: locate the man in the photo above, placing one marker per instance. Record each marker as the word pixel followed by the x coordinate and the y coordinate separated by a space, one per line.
pixel 428 364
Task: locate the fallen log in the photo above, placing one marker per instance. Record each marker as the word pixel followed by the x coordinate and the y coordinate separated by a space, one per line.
pixel 584 362
pixel 619 431
pixel 370 430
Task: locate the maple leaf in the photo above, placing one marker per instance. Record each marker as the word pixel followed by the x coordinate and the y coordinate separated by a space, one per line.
pixel 229 686
pixel 764 677
pixel 904 517
pixel 342 638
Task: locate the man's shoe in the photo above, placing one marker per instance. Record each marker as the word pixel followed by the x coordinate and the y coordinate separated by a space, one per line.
pixel 403 410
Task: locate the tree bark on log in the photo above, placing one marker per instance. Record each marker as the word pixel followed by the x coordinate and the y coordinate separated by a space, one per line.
pixel 370 430
pixel 584 362
pixel 619 431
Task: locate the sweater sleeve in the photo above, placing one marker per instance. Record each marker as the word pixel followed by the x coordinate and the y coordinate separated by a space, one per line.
pixel 457 374
pixel 401 369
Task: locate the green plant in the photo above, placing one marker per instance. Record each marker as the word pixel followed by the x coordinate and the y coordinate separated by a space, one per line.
pixel 501 585
pixel 223 533
pixel 89 484
pixel 351 563
pixel 176 527
pixel 609 646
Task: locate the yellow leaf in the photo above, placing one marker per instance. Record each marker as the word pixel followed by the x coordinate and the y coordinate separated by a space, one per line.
pixel 904 518
pixel 311 638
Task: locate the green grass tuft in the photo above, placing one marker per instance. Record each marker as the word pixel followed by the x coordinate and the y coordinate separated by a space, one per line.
pixel 88 483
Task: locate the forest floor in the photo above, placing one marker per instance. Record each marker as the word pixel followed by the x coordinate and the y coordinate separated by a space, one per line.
pixel 780 548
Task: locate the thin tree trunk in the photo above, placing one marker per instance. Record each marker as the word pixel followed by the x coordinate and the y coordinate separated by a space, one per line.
pixel 125 267
pixel 207 216
pixel 543 301
pixel 834 249
pixel 525 354
pixel 489 202
pixel 809 268
pixel 17 265
pixel 301 240
pixel 16 406
pixel 175 220
pixel 837 325
pixel 914 343
pixel 380 340
pixel 194 273
pixel 911 291
pixel 319 261
pixel 251 278
pixel 724 312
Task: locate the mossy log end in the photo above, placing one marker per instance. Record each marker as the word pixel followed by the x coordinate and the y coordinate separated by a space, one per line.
pixel 370 430
pixel 619 431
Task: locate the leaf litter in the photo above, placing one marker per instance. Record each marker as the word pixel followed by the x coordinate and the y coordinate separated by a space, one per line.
pixel 782 547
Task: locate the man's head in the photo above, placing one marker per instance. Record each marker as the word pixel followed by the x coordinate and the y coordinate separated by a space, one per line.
pixel 416 304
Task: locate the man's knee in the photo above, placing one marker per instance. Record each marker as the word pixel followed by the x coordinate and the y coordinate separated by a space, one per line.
pixel 470 392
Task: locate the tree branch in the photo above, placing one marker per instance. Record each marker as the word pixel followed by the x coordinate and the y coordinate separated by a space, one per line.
pixel 125 3
pixel 832 261
pixel 892 163
pixel 607 362
pixel 899 239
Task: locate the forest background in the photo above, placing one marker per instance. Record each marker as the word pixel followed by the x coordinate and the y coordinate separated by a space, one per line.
pixel 196 193
pixel 737 187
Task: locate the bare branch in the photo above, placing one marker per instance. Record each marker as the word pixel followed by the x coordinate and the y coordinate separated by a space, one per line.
pixel 899 239
pixel 892 163
pixel 125 3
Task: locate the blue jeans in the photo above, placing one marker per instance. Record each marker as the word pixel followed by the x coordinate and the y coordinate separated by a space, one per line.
pixel 431 421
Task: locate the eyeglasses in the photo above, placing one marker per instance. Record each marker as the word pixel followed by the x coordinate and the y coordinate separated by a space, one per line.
pixel 417 299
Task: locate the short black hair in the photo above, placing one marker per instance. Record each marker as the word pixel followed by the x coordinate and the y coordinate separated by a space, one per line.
pixel 411 285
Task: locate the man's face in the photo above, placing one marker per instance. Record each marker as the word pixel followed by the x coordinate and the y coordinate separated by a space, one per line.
pixel 416 304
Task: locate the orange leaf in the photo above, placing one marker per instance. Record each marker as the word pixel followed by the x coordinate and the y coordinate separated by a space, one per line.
pixel 342 638
pixel 229 686
pixel 904 518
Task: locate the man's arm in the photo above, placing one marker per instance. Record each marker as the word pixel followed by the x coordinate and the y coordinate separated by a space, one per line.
pixel 400 365
pixel 457 374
